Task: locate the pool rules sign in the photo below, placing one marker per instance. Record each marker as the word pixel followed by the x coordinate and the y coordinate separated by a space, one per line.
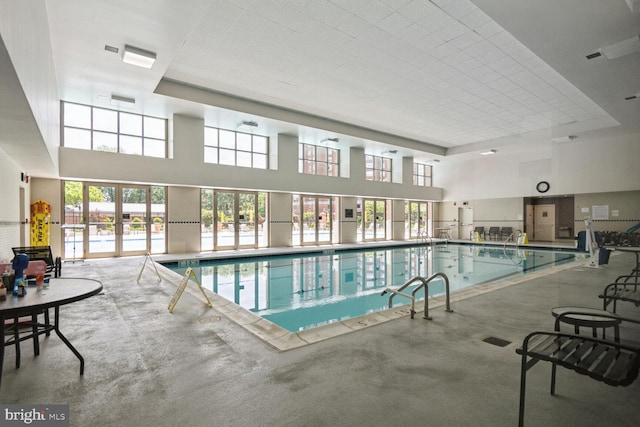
pixel 189 274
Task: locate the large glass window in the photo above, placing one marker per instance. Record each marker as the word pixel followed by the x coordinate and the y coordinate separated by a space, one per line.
pixel 377 168
pixel 317 160
pixel 226 147
pixel 421 175
pixel 99 129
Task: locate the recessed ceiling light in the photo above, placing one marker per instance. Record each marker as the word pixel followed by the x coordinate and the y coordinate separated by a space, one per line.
pixel 139 57
pixel 489 152
pixel 564 138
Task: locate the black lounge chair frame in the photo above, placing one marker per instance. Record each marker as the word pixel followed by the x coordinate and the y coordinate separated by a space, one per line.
pixel 611 362
pixel 623 289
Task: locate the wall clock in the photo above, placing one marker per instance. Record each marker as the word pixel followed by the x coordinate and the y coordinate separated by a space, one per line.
pixel 542 187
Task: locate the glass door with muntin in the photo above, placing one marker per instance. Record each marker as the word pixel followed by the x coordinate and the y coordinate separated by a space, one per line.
pixel 236 220
pixel 118 219
pixel 374 219
pixel 134 220
pixel 418 220
pixel 316 222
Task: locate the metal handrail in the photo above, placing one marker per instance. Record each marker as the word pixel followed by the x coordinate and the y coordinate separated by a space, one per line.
pixel 424 237
pixel 424 284
pixel 517 248
pixel 511 236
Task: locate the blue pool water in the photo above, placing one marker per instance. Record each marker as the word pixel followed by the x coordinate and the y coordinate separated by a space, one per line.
pixel 305 291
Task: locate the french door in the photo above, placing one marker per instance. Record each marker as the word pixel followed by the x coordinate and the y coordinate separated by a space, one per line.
pixel 373 219
pixel 313 218
pixel 119 220
pixel 237 220
pixel 418 216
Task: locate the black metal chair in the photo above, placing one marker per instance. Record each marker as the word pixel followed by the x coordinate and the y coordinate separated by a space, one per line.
pixel 623 289
pixel 612 362
pixel 505 232
pixel 494 232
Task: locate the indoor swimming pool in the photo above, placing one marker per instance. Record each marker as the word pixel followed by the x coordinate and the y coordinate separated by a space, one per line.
pixel 309 290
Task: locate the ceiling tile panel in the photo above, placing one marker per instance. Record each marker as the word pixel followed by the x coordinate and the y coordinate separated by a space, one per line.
pixel 440 70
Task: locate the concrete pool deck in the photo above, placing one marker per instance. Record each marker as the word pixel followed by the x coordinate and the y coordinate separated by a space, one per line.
pixel 198 367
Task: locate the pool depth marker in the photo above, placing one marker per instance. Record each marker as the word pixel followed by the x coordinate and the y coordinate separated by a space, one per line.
pixel 189 274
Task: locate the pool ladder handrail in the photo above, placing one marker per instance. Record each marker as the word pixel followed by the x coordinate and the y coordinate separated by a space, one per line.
pixel 517 248
pixel 511 237
pixel 424 284
pixel 424 237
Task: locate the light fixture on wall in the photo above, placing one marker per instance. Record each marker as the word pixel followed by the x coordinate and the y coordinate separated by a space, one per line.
pixel 330 140
pixel 139 57
pixel 119 99
pixel 247 123
pixel 619 49
pixel 566 138
pixel 489 152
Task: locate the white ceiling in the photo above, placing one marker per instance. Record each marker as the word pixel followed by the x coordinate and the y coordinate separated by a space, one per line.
pixel 434 78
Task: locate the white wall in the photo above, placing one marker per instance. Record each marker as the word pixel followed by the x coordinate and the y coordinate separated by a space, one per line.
pixel 280 217
pixel 578 167
pixel 30 50
pixel 183 219
pixel 624 205
pixel 348 226
pixel 10 218
pixel 188 168
pixel 503 212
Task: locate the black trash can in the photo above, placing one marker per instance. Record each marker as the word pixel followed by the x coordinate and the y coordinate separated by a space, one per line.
pixel 603 256
pixel 582 241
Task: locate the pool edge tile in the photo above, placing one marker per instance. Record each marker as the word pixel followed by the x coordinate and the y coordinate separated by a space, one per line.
pixel 324 332
pixel 289 341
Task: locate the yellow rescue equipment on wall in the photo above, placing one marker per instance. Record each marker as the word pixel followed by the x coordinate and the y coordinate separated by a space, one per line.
pixel 40 218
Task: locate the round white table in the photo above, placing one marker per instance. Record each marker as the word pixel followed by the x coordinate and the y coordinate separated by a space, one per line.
pixel 38 301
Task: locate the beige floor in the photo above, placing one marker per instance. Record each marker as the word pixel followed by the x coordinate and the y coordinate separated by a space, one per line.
pixel 201 366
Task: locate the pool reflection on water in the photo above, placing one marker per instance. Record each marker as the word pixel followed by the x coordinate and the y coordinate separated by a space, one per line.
pixel 305 291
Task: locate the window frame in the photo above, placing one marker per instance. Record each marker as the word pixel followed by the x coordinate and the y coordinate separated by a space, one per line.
pixel 308 157
pixel 97 131
pixel 426 175
pixel 225 151
pixel 375 168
